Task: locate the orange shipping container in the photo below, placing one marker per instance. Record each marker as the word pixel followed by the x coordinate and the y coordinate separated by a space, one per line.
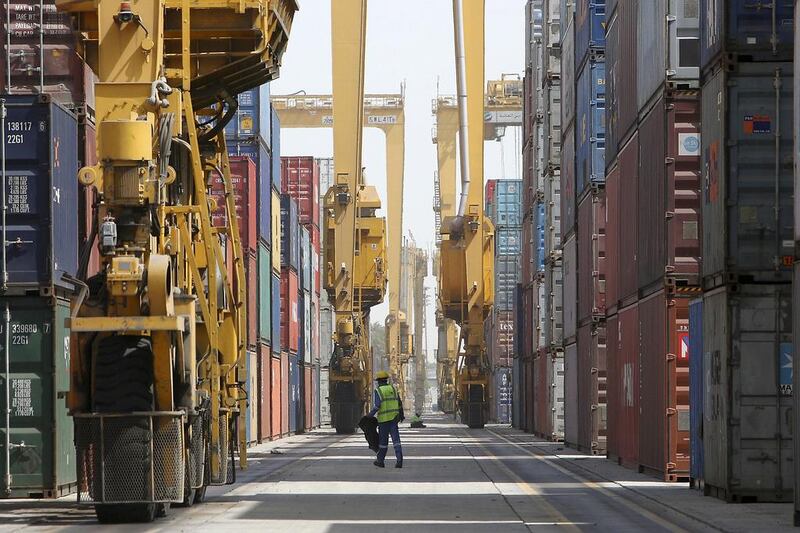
pixel 275 394
pixel 264 393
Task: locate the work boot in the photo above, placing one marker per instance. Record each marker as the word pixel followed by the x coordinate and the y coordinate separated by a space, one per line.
pixel 378 464
pixel 398 464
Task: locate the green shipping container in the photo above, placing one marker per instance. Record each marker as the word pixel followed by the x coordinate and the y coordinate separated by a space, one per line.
pixel 264 293
pixel 42 459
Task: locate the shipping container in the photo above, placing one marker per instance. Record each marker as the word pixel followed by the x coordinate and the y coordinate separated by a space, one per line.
pixel 592 257
pixel 326 321
pixel 251 389
pixel 551 124
pixel 571 394
pixel 551 38
pixel 516 393
pixel 276 393
pixel 590 127
pixel 506 206
pixel 590 28
pixel 549 392
pixel 290 234
pixel 622 67
pixel 265 294
pixel 568 194
pixel 696 391
pixel 541 318
pixel 748 183
pixel 664 373
pixel 324 404
pixel 527 255
pixel 570 265
pixel 290 321
pixel 39 44
pixel 669 193
pixel 503 394
pixel 295 406
pixel 276 232
pixel 747 429
pixel 275 149
pixel 668 47
pixel 505 282
pixel 244 179
pixel 253 117
pixel 325 176
pixel 305 269
pixel 539 237
pixel 42 457
pixel 552 202
pixel 745 31
pixel 257 152
pixel 623 386
pixel 554 306
pixel 276 317
pixel 308 397
pixel 301 329
pixel 41 165
pixel 300 180
pixel 542 421
pixel 305 327
pixel 265 393
pixel 252 291
pixel 286 394
pixel 501 337
pixel 567 10
pixel 613 218
pixel 317 397
pixel 567 76
pixel 627 283
pixel 591 408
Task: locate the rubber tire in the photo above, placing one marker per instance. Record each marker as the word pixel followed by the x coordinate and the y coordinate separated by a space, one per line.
pixel 123 372
pixel 200 494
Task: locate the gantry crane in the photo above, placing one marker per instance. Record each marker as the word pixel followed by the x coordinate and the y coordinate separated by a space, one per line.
pixel 466 261
pixel 387 113
pixel 158 341
pixel 355 260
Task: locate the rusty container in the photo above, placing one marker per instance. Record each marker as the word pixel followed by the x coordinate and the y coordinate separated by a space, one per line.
pixel 628 207
pixel 623 387
pixel 592 256
pixel 591 388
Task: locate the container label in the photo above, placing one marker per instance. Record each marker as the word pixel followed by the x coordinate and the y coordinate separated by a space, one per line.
pixel 21 398
pixel 785 360
pixel 19 200
pixel 688 144
pixel 684 346
pixel 381 119
pixel 757 124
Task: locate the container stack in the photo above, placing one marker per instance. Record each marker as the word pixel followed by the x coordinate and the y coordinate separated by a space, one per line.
pixel 504 209
pixel 583 214
pixel 325 309
pixel 301 180
pixel 748 249
pixel 47 99
pixel 652 170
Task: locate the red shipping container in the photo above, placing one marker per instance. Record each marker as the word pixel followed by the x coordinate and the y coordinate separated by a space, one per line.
pixel 277 392
pixel 612 240
pixel 669 194
pixel 530 409
pixel 284 387
pixel 290 321
pixel 490 187
pixel 664 374
pixel 501 338
pixel 527 275
pixel 592 256
pixel 541 393
pixel 591 406
pixel 300 180
pixel 628 206
pixel 244 178
pixel 623 387
pixel 264 392
pixel 309 394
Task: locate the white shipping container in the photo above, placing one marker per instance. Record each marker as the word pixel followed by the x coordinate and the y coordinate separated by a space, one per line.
pixel 552 217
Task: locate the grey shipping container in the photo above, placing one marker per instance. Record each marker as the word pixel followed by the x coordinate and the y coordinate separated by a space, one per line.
pixel 507 240
pixel 552 216
pixel 551 125
pixel 570 263
pixel 40 173
pixel 42 457
pixel 747 414
pixel 667 54
pixel 747 174
pixel 568 79
pixel 554 305
pixel 555 378
pixel 540 314
pixel 571 394
pixel 551 37
pixel 506 277
pixel 503 395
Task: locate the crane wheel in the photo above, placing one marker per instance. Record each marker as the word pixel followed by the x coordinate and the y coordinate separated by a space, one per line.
pixel 123 377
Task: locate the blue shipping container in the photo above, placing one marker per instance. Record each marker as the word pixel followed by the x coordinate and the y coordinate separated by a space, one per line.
pixel 259 154
pixel 591 126
pixel 290 233
pixel 696 390
pixel 506 278
pixel 506 206
pixel 508 241
pixel 294 393
pixel 540 228
pixel 253 118
pixel 745 27
pixel 590 29
pixel 276 314
pixel 41 145
pixel 275 145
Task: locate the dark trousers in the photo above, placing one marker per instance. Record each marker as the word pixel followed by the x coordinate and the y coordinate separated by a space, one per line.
pixel 384 430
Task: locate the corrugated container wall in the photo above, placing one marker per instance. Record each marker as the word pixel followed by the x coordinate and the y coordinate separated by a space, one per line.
pixel 592 257
pixel 591 383
pixel 290 234
pixel 253 119
pixel 275 145
pixel 42 193
pixel 591 126
pixel 623 394
pixel 506 206
pixel 568 194
pixel 554 306
pixel 747 169
pixel 571 394
pixel 552 202
pixel 244 179
pixel 628 203
pixel 696 391
pixel 590 31
pixel 265 294
pixel 276 232
pixel 613 221
pixel 264 393
pixel 290 320
pixel 300 180
pixel 276 314
pixel 506 279
pixel 570 263
pixel 622 66
pixel 567 76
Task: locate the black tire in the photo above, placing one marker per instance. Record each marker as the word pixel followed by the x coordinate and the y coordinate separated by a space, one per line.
pixel 200 494
pixel 123 378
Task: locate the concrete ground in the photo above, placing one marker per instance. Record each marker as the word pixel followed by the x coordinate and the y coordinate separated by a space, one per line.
pixel 454 479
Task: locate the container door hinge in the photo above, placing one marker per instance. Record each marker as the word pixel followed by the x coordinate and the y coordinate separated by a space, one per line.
pixel 671 411
pixel 670 357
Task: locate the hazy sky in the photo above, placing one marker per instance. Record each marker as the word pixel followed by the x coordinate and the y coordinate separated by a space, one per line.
pixel 411 41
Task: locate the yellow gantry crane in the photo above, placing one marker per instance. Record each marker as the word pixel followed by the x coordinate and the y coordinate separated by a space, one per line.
pixel 355 253
pixel 387 113
pixel 158 336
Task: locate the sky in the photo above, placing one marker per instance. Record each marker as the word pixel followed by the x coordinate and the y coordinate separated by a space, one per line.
pixel 411 42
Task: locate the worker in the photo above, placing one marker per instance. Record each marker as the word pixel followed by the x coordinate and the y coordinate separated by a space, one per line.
pixel 389 408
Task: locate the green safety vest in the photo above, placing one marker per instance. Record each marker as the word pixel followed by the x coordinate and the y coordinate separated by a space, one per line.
pixel 390 404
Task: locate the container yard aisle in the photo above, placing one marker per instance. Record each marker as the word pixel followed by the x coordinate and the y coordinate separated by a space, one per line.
pixel 454 479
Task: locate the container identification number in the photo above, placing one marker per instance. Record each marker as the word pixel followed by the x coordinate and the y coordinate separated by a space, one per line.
pixel 21 402
pixel 19 127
